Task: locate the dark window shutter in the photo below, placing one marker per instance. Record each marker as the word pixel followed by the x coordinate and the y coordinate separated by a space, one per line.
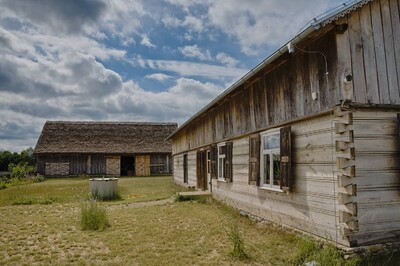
pixel 214 156
pixel 198 167
pixel 185 169
pixel 228 161
pixel 201 169
pixel 286 159
pixel 254 159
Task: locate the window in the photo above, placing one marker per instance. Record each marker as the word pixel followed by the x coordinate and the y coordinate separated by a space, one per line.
pixel 270 159
pixel 221 160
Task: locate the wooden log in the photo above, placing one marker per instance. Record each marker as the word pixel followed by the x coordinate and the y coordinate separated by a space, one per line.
pixel 341 128
pixel 343 163
pixel 350 207
pixel 348 153
pixel 350 189
pixel 343 145
pixel 349 171
pixel 344 198
pixel 345 217
pixel 345 118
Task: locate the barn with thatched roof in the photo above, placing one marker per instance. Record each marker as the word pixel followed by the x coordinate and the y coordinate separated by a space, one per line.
pixel 104 148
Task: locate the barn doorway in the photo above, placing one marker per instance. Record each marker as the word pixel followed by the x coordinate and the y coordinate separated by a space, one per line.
pixel 127 165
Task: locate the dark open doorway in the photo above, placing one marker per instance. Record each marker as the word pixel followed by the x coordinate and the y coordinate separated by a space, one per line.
pixel 127 165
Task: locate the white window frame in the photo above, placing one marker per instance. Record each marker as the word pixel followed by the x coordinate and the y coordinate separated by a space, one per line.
pixel 271 152
pixel 221 158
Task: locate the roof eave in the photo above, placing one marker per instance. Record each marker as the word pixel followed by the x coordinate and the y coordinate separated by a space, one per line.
pixel 317 24
pixel 281 51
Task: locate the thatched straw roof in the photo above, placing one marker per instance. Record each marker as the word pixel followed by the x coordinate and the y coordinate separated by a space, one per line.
pixel 104 137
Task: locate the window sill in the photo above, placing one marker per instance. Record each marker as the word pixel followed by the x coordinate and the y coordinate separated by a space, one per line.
pixel 272 189
pixel 221 180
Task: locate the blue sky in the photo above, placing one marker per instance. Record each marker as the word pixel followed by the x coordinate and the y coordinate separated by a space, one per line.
pixel 131 60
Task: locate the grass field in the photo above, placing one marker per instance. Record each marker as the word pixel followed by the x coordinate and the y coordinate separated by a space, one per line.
pixel 178 233
pixel 67 190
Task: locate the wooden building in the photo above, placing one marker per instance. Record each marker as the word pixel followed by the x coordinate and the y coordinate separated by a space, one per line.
pixel 104 148
pixel 310 137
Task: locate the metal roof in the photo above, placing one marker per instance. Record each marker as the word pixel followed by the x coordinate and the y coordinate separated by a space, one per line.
pixel 316 24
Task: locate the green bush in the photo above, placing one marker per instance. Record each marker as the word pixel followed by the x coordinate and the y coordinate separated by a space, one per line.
pixel 21 170
pixel 93 216
pixel 3 185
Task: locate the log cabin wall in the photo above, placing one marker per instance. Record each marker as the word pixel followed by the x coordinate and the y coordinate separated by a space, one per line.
pixel 312 204
pixel 377 176
pixel 179 169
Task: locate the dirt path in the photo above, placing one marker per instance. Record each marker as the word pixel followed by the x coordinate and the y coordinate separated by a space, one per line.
pixel 141 204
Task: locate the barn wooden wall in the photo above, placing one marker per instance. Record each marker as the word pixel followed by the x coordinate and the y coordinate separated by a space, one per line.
pixel 98 164
pixel 370 52
pixel 56 169
pixel 160 164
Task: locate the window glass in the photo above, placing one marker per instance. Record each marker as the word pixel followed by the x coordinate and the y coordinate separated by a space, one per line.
pixel 222 150
pixel 271 142
pixel 208 162
pixel 267 171
pixel 277 168
pixel 220 167
pixel 270 159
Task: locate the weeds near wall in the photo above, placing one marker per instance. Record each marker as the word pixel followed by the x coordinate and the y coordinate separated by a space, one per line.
pixel 237 241
pixel 93 216
pixel 231 229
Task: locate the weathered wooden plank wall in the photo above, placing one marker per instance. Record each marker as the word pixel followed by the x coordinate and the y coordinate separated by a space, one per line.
pixel 373 39
pixel 113 165
pixel 369 51
pixel 78 164
pixel 178 169
pixel 56 169
pixel 98 164
pixel 269 98
pixel 192 168
pixel 312 204
pixel 142 165
pixel 160 164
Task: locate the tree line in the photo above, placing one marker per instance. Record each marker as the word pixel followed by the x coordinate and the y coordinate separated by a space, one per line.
pixel 24 157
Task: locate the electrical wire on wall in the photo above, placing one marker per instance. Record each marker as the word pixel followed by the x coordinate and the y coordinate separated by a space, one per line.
pixel 331 120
